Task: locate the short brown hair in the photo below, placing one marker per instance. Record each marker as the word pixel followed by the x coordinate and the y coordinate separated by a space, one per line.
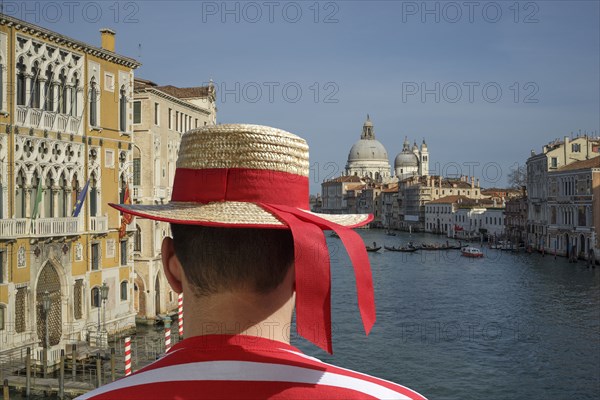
pixel 224 259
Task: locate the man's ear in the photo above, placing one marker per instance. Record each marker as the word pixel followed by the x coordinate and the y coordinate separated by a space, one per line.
pixel 171 265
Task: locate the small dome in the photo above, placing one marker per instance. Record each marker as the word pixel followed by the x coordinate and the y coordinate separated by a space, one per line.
pixel 404 160
pixel 367 149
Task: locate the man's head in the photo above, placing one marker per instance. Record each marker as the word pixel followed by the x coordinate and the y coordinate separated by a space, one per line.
pixel 252 182
pixel 216 260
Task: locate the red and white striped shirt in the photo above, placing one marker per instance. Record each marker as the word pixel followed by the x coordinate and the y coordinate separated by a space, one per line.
pixel 246 367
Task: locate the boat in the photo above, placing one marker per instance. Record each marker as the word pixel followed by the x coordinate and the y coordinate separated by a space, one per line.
pixel 390 233
pixel 373 249
pixel 472 252
pixel 409 249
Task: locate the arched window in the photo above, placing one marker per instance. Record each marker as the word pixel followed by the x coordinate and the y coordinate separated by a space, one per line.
pixel 124 290
pixel 137 238
pixel 93 195
pixel 123 110
pixel 62 93
pixel 93 102
pixel 49 90
pixel 75 85
pixel 95 297
pixel 21 82
pixel 63 200
pixel 34 206
pixel 75 190
pixel 35 86
pixel 20 195
pixel 48 198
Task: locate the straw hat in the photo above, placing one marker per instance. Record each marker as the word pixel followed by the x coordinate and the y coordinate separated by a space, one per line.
pixel 256 176
pixel 221 171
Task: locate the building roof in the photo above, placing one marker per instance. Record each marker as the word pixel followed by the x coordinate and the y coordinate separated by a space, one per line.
pixel 185 93
pixel 450 200
pixel 583 164
pixel 62 40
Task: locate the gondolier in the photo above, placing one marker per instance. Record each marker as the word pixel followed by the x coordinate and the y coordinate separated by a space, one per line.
pixel 245 253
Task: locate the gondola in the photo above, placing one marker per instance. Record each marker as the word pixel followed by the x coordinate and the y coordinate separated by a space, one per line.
pixel 373 249
pixel 401 249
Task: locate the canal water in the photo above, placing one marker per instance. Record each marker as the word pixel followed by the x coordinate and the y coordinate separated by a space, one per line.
pixel 507 326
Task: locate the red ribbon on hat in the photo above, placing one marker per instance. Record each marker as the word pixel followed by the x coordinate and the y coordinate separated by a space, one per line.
pixel 285 196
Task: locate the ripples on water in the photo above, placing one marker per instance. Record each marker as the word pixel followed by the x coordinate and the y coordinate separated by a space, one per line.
pixel 508 326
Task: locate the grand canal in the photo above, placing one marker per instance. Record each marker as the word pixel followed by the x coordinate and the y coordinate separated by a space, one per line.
pixel 508 326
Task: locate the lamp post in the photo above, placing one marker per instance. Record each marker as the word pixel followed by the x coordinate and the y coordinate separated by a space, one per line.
pixel 46 304
pixel 104 296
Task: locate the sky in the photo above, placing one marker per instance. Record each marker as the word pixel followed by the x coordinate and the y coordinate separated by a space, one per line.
pixel 482 82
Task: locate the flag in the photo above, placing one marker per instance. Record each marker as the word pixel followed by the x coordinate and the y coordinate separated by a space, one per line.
pixel 38 200
pixel 80 200
pixel 125 217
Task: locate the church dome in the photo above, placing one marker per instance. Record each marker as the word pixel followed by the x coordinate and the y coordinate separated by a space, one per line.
pixel 404 160
pixel 367 149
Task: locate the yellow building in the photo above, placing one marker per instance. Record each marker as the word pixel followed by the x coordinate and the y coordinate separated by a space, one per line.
pixel 65 123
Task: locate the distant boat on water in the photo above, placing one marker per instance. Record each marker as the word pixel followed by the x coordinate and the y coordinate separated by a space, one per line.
pixel 472 252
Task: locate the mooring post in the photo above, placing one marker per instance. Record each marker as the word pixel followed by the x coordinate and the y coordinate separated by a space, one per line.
pixel 98 372
pixel 61 376
pixel 5 390
pixel 28 373
pixel 74 361
pixel 112 364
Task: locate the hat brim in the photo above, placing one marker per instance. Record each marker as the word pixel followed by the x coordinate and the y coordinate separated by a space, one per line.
pixel 228 214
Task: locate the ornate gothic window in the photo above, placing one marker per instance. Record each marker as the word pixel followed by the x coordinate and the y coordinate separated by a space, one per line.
pixel 74 86
pixel 62 93
pixel 20 195
pixel 63 199
pixel 49 90
pixel 21 90
pixel 35 86
pixel 48 198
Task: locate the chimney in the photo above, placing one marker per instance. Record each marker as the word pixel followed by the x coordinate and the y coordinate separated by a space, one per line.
pixel 477 182
pixel 472 182
pixel 108 39
pixel 566 150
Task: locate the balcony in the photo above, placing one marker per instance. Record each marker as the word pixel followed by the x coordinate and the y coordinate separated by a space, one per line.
pixel 14 228
pixel 41 119
pixel 43 227
pixel 99 224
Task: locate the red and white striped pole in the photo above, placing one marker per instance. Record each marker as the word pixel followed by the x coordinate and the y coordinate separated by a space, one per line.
pixel 127 356
pixel 167 335
pixel 180 314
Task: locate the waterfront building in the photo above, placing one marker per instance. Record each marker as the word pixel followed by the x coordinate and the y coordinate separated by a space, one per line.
pixel 572 202
pixel 390 208
pixel 516 218
pixel 65 152
pixel 416 191
pixel 439 214
pixel 554 155
pixel 478 218
pixel 368 158
pixel 335 196
pixel 161 114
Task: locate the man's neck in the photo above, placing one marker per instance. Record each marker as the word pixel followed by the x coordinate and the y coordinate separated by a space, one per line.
pixel 231 313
